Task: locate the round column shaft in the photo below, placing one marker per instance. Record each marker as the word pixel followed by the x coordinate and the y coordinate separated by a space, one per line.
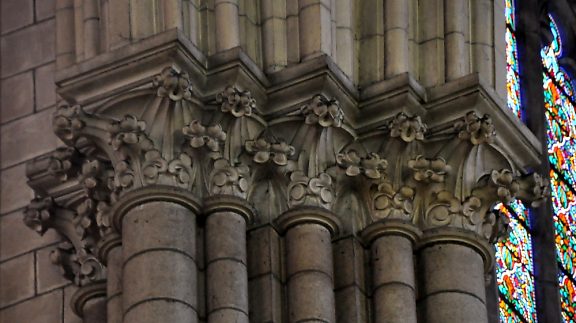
pixel 89 302
pixel 159 255
pixel 393 277
pixel 110 250
pixel 227 271
pixel 309 264
pixel 114 285
pixel 453 282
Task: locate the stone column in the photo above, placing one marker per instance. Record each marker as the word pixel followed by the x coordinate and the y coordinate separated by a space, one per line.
pixel 397 55
pixel 456 37
pixel 159 257
pixel 111 251
pixel 65 51
pixel 393 275
pixel 309 264
pixel 89 302
pixel 452 264
pixel 227 24
pixel 91 28
pixel 226 272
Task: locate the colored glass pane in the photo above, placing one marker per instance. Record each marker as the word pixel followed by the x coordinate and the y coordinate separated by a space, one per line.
pixel 514 272
pixel 514 267
pixel 561 132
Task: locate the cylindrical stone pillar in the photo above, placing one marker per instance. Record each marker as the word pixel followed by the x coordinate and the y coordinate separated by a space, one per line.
pixel 159 258
pixel 452 265
pixel 393 276
pixel 397 54
pixel 456 38
pixel 309 264
pixel 226 265
pixel 65 47
pixel 89 302
pixel 91 28
pixel 227 24
pixel 110 250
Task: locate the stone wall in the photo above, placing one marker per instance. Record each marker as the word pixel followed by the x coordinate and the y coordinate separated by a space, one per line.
pixel 31 288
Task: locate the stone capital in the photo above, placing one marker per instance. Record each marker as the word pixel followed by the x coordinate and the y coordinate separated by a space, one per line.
pixel 85 294
pixel 228 203
pixel 390 227
pixel 309 215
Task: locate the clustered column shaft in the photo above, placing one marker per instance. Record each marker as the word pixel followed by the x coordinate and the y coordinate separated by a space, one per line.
pixel 393 275
pixel 160 273
pixel 309 264
pixel 227 273
pixel 453 288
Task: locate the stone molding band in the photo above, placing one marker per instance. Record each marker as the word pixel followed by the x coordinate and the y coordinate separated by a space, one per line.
pixel 305 215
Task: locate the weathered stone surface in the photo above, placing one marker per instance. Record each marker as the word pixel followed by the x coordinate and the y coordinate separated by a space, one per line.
pixel 161 311
pixel 441 308
pixel 44 87
pixel 16 14
pixel 351 305
pixel 14 193
pixel 45 9
pixel 48 276
pixel 265 299
pixel 26 138
pixel 17 96
pixel 309 248
pixel 263 252
pixel 69 315
pixel 46 308
pixel 16 238
pixel 17 277
pixel 349 263
pixel 28 48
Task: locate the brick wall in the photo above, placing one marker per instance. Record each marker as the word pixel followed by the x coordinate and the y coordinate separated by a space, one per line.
pixel 31 288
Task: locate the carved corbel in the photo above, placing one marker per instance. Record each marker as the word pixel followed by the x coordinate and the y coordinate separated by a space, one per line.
pixel 76 254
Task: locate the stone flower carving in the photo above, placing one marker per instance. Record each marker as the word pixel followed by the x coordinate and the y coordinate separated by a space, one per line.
pixel 315 191
pixel 200 136
pixel 533 188
pixel 129 131
pixel 429 170
pixel 226 179
pixel 391 204
pixel 66 122
pixel 264 151
pixel 407 128
pixel 79 266
pixel 153 166
pixel 123 175
pixel 507 186
pixel 173 84
pixel 38 214
pixel 61 163
pixel 323 111
pixel 446 210
pixel 478 130
pixel 371 166
pixel 181 169
pixel 235 101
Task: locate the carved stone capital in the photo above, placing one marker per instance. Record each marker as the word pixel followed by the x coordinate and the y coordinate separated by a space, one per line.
pixel 85 294
pixel 477 129
pixel 303 215
pixel 228 203
pixel 305 191
pixel 390 227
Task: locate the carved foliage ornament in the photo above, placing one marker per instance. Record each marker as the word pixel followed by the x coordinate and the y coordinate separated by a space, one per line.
pixel 408 128
pixel 174 84
pixel 323 111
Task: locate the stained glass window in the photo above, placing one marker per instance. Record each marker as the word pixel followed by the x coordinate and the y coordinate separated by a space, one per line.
pixel 512 71
pixel 515 269
pixel 559 101
pixel 514 262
